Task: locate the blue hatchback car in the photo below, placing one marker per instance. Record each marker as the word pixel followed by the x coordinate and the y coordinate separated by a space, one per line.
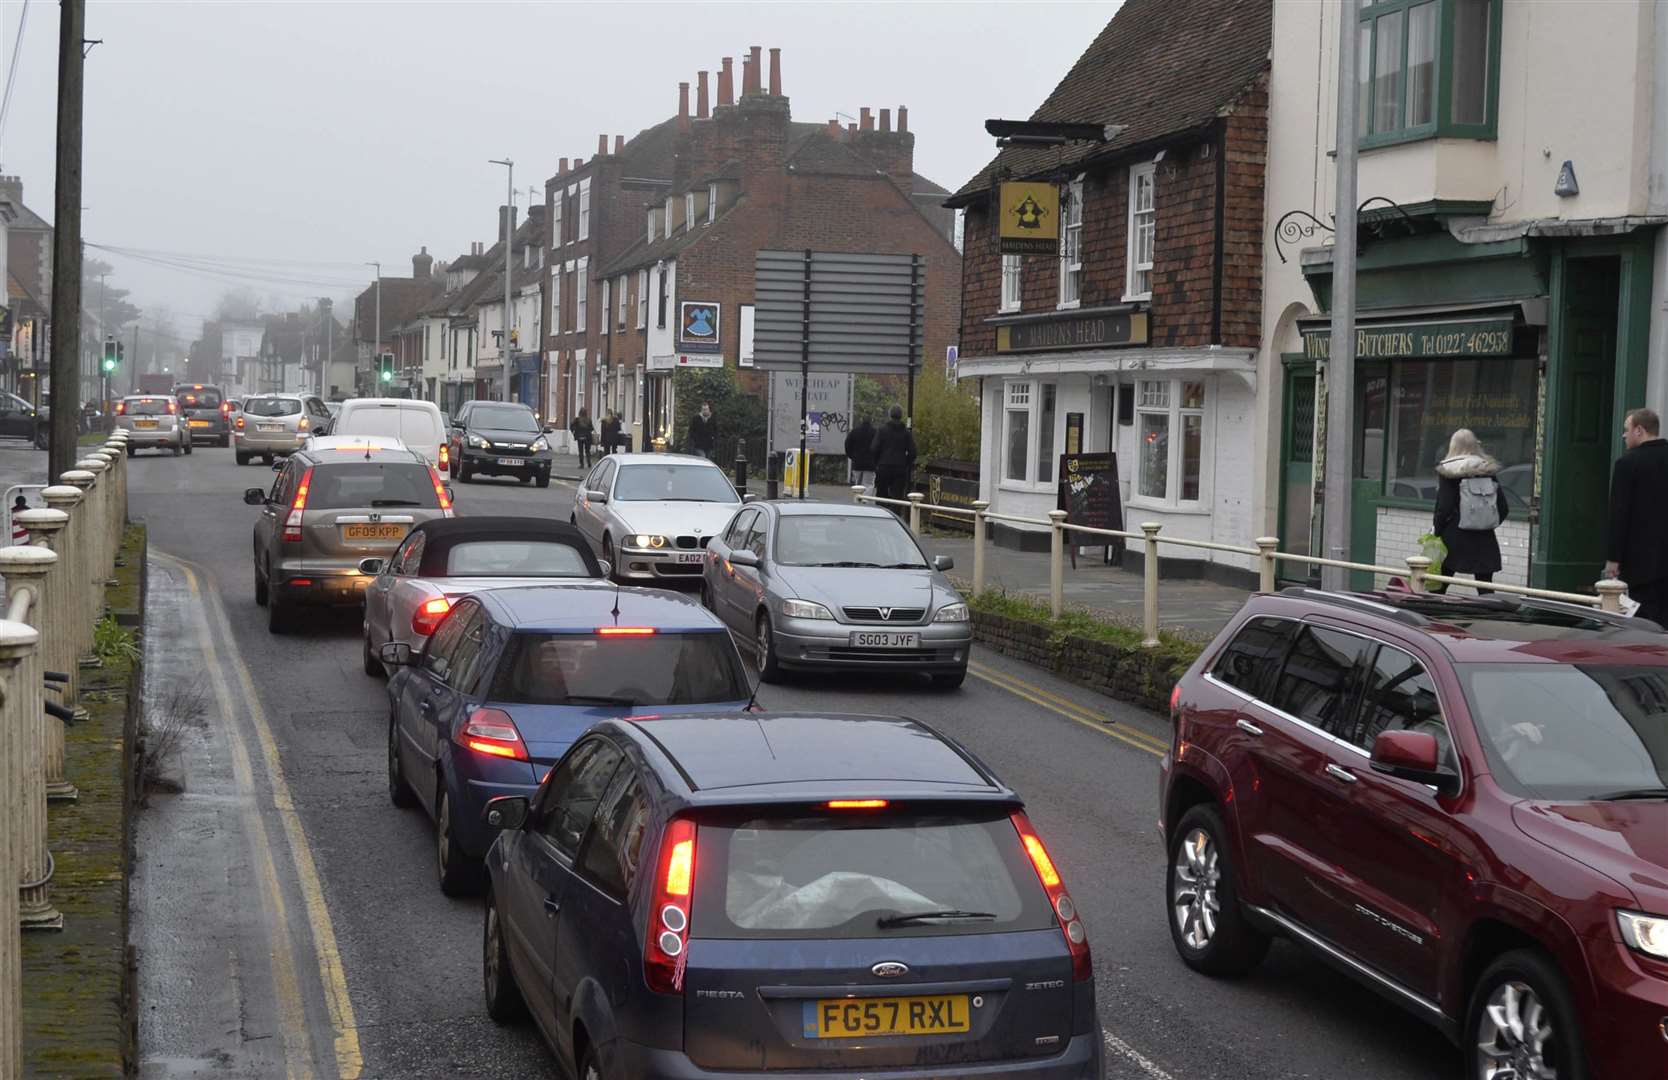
pixel 816 896
pixel 513 676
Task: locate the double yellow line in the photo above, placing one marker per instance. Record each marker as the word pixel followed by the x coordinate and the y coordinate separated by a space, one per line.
pixel 1067 708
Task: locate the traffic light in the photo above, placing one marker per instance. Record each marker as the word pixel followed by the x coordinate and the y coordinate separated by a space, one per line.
pixel 112 355
pixel 385 368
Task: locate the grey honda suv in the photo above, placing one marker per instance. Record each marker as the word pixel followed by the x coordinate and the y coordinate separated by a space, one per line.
pixel 332 513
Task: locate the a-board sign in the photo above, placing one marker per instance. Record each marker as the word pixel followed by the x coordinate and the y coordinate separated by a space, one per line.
pixel 1088 491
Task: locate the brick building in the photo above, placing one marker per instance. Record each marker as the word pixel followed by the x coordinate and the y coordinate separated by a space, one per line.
pixel 1138 333
pixel 25 290
pixel 677 214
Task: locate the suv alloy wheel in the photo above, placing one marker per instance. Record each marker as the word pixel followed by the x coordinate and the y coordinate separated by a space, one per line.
pixel 1521 1024
pixel 1206 922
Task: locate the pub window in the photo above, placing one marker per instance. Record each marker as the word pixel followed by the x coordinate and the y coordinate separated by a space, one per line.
pixel 1171 426
pixel 1028 439
pixel 1143 222
pixel 1427 68
pixel 1010 283
pixel 1018 437
pixel 1071 245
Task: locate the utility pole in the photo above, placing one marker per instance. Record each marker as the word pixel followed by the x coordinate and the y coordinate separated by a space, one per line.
pixel 376 347
pixel 66 242
pixel 1340 363
pixel 509 232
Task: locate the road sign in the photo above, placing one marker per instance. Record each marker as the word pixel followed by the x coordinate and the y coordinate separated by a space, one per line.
pixel 828 408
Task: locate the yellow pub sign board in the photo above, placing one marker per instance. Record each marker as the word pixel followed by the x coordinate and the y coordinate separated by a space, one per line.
pixel 1029 218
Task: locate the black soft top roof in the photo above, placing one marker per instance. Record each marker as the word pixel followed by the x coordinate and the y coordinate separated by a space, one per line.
pixel 446 533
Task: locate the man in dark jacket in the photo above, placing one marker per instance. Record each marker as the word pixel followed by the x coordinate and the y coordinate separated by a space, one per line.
pixel 1636 545
pixel 703 432
pixel 582 431
pixel 894 451
pixel 860 450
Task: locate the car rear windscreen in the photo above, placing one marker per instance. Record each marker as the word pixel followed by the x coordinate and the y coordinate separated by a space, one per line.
pixel 348 485
pixel 415 427
pixel 515 558
pixel 623 669
pixel 273 406
pixel 153 406
pixel 851 874
pixel 199 399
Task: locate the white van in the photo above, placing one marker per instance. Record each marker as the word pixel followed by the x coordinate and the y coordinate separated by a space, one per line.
pixel 416 423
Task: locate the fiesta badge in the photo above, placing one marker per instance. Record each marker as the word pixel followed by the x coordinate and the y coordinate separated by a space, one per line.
pixel 890 969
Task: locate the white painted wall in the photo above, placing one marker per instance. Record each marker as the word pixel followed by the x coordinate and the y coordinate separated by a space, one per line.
pixel 1399 531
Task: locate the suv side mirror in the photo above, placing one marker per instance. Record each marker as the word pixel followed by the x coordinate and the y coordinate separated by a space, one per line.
pixel 254 497
pixel 943 562
pixel 277 464
pixel 1415 756
pixel 397 653
pixel 505 812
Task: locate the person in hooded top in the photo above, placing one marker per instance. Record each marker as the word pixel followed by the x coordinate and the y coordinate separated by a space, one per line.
pixel 1470 505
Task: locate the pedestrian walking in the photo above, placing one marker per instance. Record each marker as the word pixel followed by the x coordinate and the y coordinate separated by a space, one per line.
pixel 20 535
pixel 1470 505
pixel 894 457
pixel 860 452
pixel 610 432
pixel 582 430
pixel 1636 545
pixel 703 432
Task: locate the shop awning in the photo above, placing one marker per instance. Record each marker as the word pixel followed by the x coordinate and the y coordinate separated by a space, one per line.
pixel 1452 332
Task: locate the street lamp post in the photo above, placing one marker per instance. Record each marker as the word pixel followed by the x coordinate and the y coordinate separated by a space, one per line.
pixel 509 209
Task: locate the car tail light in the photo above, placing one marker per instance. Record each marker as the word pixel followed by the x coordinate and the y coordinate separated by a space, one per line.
pixel 239 421
pixel 624 631
pixel 121 407
pixel 440 491
pixel 225 408
pixel 292 524
pixel 173 407
pixel 674 888
pixel 1077 938
pixel 429 614
pixel 1175 699
pixel 493 733
pixel 302 424
pixel 445 458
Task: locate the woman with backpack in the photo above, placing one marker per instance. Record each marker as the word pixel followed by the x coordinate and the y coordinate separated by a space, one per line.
pixel 1470 505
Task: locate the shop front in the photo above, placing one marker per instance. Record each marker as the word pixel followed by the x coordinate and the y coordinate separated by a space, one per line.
pixel 524 379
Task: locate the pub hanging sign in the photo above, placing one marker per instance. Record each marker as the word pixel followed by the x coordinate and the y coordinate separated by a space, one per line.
pixel 1418 341
pixel 1029 218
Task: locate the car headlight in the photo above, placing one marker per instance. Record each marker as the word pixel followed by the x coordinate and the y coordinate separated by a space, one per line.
pixel 541 443
pixel 1646 933
pixel 478 443
pixel 951 613
pixel 804 609
pixel 644 540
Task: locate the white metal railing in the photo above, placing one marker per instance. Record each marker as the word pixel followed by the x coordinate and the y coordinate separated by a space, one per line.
pixel 1607 595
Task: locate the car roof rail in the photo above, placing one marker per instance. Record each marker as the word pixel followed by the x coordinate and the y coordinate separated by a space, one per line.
pixel 1356 602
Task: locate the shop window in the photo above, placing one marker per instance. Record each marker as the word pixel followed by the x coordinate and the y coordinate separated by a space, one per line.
pixel 1143 221
pixel 1427 68
pixel 1414 407
pixel 1071 245
pixel 1010 283
pixel 1171 428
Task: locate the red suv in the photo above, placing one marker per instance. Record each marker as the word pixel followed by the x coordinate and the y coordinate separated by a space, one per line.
pixel 1462 802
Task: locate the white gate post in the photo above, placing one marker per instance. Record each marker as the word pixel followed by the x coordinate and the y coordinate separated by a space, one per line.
pixel 25 569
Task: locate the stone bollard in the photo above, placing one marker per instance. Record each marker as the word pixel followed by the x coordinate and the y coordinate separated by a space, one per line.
pixel 57 624
pixel 1149 589
pixel 104 499
pixel 17 642
pixel 85 593
pixel 25 570
pixel 115 509
pixel 1056 562
pixel 979 508
pixel 1417 567
pixel 857 494
pixel 1266 547
pixel 95 498
pixel 1610 593
pixel 915 498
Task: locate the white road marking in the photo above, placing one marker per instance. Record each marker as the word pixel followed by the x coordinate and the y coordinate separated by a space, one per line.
pixel 1134 1057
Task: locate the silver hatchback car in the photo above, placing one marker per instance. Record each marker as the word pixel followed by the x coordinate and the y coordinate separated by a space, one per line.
pixel 329 516
pixel 152 422
pixel 274 425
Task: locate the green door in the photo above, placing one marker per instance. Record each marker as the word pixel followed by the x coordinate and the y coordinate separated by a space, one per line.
pixel 1368 448
pixel 1297 475
pixel 1580 429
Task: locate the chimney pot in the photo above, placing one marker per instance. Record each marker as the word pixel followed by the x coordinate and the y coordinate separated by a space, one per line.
pixel 619 144
pixel 562 167
pixel 755 64
pixel 602 146
pixel 903 119
pixel 851 129
pixel 701 95
pixel 886 119
pixel 726 83
pixel 866 118
pixel 683 106
pixel 775 72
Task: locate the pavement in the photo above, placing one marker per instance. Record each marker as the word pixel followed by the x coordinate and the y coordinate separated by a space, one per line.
pixel 1195 609
pixel 288 923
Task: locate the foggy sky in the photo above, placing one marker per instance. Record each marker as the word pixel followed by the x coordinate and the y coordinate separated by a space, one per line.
pixel 344 132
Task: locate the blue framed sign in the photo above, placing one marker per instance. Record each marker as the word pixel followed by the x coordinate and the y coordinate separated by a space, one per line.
pixel 698 322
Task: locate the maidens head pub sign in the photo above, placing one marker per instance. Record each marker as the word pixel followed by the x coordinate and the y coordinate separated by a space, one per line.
pixel 1418 341
pixel 1076 330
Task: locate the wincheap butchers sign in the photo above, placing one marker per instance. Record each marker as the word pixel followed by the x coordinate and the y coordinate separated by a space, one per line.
pixel 1417 341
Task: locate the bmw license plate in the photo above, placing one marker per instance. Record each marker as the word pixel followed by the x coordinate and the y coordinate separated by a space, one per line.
pixel 855 1018
pixel 884 639
pixel 687 556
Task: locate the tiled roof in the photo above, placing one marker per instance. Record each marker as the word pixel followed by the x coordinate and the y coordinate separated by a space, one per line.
pixel 819 152
pixel 1160 66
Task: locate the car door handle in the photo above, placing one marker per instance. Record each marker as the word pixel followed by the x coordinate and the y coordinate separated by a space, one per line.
pixel 552 905
pixel 1337 772
pixel 1248 727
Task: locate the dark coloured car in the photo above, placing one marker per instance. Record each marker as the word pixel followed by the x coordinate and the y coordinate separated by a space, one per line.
pixel 500 438
pixel 21 420
pixel 1461 802
pixel 513 676
pixel 830 896
pixel 206 412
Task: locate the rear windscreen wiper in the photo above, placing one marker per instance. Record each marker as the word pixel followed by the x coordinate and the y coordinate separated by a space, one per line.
pixel 1635 793
pixel 924 916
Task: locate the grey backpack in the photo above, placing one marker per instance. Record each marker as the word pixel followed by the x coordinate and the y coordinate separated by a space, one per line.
pixel 1479 507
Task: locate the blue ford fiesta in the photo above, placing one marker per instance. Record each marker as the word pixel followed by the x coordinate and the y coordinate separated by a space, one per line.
pixel 513 676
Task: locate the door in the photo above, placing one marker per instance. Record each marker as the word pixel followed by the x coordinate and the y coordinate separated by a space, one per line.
pixel 273 513
pixel 543 878
pixel 1297 475
pixel 379 615
pixel 590 514
pixel 420 694
pixel 1294 793
pixel 1391 838
pixel 747 587
pixel 1581 425
pixel 727 590
pixel 1370 444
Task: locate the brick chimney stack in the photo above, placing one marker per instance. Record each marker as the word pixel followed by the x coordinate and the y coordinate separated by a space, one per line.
pixel 701 95
pixel 903 119
pixel 683 106
pixel 866 119
pixel 755 62
pixel 602 146
pixel 886 120
pixel 851 130
pixel 619 145
pixel 562 167
pixel 422 264
pixel 726 83
pixel 775 72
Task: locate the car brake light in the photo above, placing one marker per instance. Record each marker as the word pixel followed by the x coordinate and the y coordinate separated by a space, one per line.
pixel 301 424
pixel 173 406
pixel 674 886
pixel 1175 698
pixel 445 458
pixel 292 524
pixel 493 733
pixel 1077 938
pixel 239 422
pixel 225 408
pixel 624 631
pixel 121 407
pixel 440 490
pixel 857 804
pixel 429 614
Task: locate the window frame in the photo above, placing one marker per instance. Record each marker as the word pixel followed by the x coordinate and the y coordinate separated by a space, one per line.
pixel 556 201
pixel 1033 408
pixel 1012 270
pixel 581 286
pixel 622 289
pixel 607 301
pixel 1071 227
pixel 712 203
pixel 584 232
pixel 1132 227
pixel 1440 126
pixel 689 211
pixel 1175 412
pixel 643 298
